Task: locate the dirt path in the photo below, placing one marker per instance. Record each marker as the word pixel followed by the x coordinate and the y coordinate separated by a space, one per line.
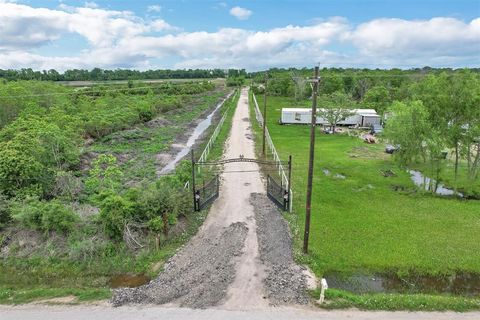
pixel 246 292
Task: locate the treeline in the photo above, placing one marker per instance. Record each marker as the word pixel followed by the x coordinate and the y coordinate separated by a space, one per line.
pixel 439 116
pixel 98 74
pixel 354 82
pixel 235 75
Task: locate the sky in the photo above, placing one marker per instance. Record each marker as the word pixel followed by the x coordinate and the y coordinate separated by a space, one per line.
pixel 254 35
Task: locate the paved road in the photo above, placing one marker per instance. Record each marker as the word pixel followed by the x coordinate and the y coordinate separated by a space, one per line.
pixel 36 312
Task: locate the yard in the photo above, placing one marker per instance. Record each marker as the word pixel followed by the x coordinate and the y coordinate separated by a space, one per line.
pixel 364 221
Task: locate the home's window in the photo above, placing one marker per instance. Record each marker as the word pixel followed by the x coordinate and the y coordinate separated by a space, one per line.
pixel 297 116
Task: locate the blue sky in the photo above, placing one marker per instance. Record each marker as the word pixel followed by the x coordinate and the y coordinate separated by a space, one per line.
pixel 244 34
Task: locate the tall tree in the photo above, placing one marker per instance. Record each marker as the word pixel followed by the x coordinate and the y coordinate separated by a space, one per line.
pixel 335 108
pixel 378 98
pixel 453 102
pixel 410 129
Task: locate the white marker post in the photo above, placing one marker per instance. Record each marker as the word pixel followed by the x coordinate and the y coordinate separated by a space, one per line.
pixel 323 287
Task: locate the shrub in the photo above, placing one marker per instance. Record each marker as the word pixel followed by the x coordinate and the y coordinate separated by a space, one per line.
pixel 115 211
pixel 57 217
pixel 45 216
pixel 67 186
pixel 104 175
pixel 162 202
pixel 31 149
pixel 19 169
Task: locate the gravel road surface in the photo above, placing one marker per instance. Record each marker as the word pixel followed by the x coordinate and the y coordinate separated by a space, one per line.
pixel 285 281
pixel 198 276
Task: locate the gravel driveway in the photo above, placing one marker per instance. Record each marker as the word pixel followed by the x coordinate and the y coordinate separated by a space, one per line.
pixel 241 257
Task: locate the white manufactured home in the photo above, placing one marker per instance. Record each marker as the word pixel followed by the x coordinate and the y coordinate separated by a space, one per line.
pixel 360 118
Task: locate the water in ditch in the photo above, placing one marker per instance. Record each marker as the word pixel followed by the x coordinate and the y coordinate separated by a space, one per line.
pixel 424 182
pixel 197 132
pixel 128 280
pixel 460 283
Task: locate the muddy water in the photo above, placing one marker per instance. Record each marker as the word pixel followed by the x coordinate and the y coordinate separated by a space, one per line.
pixel 461 283
pixel 423 182
pixel 128 280
pixel 197 132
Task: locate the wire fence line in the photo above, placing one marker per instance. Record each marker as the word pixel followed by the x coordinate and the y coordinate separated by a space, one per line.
pixel 278 162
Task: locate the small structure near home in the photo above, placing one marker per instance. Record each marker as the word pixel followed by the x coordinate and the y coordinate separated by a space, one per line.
pixel 360 118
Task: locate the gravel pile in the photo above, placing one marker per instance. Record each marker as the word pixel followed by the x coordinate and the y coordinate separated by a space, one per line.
pixel 196 277
pixel 285 282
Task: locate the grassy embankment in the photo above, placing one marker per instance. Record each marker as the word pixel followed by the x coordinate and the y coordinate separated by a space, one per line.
pixel 142 143
pixel 216 151
pixel 361 224
pixel 27 279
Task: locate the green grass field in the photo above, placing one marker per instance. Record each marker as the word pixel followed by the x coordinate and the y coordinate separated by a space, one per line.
pixel 360 223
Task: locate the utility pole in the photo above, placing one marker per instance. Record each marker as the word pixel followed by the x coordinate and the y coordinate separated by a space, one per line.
pixel 310 161
pixel 264 114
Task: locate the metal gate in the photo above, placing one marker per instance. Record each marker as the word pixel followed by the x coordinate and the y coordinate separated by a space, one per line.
pixel 277 193
pixel 207 193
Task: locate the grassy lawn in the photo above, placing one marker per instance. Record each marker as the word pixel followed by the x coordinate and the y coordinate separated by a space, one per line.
pixel 360 223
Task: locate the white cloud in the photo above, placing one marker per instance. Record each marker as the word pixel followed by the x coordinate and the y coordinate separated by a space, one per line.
pixel 397 38
pixel 91 5
pixel 161 25
pixel 240 13
pixel 154 8
pixel 122 39
pixel 22 26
